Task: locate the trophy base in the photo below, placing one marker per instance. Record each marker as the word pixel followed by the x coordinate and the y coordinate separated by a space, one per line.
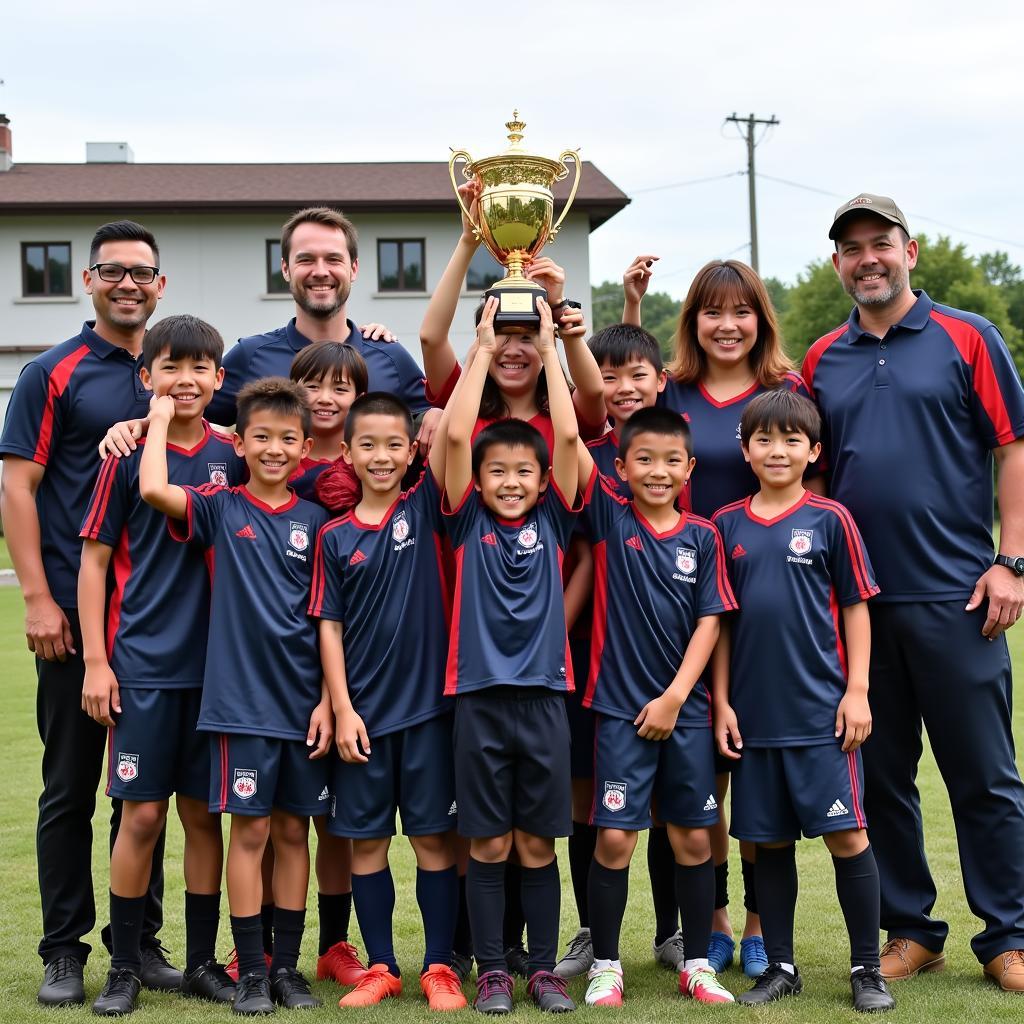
pixel 517 306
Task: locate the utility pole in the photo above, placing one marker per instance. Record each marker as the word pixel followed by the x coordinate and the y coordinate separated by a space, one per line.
pixel 751 123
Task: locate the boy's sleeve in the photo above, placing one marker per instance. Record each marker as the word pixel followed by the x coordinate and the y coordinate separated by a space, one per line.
pixel 425 498
pixel 458 521
pixel 327 592
pixel 205 508
pixel 560 513
pixel 109 506
pixel 601 505
pixel 714 590
pixel 35 415
pixel 848 564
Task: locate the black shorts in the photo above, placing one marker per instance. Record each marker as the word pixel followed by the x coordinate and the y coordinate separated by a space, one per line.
pixel 512 762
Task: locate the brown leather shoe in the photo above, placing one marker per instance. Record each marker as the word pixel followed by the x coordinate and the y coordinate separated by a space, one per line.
pixel 904 958
pixel 1007 970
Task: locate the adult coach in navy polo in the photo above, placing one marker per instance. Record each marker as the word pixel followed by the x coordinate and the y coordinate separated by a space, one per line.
pixel 916 399
pixel 61 406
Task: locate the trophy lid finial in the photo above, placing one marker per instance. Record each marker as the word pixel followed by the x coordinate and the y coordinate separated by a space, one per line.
pixel 515 128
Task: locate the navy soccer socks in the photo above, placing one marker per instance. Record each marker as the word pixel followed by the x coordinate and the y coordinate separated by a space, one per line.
pixel 374 899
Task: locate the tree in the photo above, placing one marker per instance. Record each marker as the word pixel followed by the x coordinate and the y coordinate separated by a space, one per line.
pixel 660 312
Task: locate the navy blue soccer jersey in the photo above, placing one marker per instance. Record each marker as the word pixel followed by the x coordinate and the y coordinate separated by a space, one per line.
pixel 792 575
pixel 604 451
pixel 650 589
pixel 721 474
pixel 303 480
pixel 262 673
pixel 910 421
pixel 62 405
pixel 508 620
pixel 159 610
pixel 390 367
pixel 385 583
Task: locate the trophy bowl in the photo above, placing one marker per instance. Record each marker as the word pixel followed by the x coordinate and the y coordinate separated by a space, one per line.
pixel 516 210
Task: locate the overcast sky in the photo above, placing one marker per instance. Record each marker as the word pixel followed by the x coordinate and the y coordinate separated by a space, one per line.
pixel 922 101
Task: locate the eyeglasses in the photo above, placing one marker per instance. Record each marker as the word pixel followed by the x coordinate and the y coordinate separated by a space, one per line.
pixel 112 273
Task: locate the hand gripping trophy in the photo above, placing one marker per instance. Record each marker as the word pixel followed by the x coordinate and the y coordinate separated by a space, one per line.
pixel 516 207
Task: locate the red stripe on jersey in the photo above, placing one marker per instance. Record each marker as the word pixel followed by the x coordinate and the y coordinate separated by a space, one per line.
pixel 451 673
pixel 833 607
pixel 728 508
pixel 973 351
pixel 60 377
pixel 223 750
pixel 793 381
pixel 853 543
pixel 725 594
pixel 100 498
pixel 600 627
pixel 122 571
pixel 858 808
pixel 815 352
pixel 442 577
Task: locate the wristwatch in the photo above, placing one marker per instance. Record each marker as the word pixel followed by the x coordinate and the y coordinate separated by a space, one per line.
pixel 1015 564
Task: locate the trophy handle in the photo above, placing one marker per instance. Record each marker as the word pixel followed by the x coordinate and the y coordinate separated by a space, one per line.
pixel 575 154
pixel 458 154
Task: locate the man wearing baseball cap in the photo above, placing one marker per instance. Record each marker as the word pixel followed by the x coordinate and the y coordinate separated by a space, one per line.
pixel 917 399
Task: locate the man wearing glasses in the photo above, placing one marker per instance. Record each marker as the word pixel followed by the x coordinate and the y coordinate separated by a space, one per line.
pixel 61 406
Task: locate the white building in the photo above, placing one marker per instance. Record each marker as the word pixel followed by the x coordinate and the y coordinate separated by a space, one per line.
pixel 218 227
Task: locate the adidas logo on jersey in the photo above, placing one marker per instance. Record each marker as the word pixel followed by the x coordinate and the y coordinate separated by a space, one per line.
pixel 247 532
pixel 357 557
pixel 711 804
pixel 489 538
pixel 739 551
pixel 634 542
pixel 454 809
pixel 837 810
pixel 324 794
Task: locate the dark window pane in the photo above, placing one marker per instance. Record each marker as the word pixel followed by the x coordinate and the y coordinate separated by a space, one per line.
pixel 484 270
pixel 275 279
pixel 412 266
pixel 35 270
pixel 387 269
pixel 59 263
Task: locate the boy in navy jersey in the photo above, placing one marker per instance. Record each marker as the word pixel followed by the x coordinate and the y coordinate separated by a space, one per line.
pixel 378 591
pixel 144 683
pixel 791 691
pixel 510 523
pixel 660 585
pixel 263 699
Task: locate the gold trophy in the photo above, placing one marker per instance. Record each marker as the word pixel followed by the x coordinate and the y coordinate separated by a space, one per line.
pixel 516 207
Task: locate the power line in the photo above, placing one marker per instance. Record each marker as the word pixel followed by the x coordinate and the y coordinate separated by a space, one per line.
pixel 684 184
pixel 751 123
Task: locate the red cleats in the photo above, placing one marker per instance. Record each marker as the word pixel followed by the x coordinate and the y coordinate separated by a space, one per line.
pixel 341 964
pixel 441 986
pixel 376 985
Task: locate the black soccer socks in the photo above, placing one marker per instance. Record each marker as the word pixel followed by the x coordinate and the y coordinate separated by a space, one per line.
pixel 607 894
pixel 775 873
pixel 858 892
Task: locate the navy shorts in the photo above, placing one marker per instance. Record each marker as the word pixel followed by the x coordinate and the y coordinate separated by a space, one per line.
pixel 251 775
pixel 411 771
pixel 677 774
pixel 154 749
pixel 512 762
pixel 581 719
pixel 779 792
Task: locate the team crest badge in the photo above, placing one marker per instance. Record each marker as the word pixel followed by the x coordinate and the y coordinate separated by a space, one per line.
pixel 127 767
pixel 686 560
pixel 244 786
pixel 218 473
pixel 528 535
pixel 614 798
pixel 800 541
pixel 298 536
pixel 400 527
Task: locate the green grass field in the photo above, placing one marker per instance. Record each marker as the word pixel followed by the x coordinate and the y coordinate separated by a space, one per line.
pixel 5 555
pixel 960 994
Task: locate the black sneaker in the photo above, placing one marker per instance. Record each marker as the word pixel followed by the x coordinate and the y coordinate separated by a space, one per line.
pixel 493 993
pixel 63 983
pixel 773 984
pixel 119 993
pixel 158 974
pixel 289 988
pixel 208 981
pixel 516 960
pixel 870 992
pixel 548 992
pixel 462 965
pixel 252 996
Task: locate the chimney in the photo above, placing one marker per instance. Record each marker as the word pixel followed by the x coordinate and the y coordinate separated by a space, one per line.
pixel 109 153
pixel 6 149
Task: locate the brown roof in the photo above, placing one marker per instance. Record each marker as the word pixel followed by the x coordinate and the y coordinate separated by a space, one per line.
pixel 383 187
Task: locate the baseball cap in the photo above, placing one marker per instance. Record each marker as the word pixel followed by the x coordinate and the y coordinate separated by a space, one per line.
pixel 880 206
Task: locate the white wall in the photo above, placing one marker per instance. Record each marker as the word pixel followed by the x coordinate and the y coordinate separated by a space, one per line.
pixel 215 267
